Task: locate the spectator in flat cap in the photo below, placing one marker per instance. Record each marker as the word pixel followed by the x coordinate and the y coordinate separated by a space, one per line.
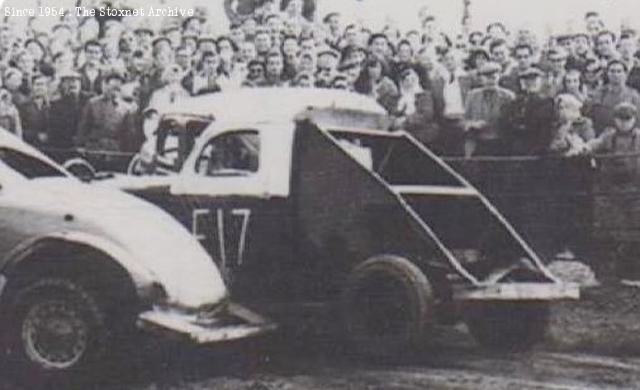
pixel 105 119
pixel 483 112
pixel 66 110
pixel 527 121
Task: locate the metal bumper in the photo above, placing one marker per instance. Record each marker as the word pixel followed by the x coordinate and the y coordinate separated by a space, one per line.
pixel 192 329
pixel 519 292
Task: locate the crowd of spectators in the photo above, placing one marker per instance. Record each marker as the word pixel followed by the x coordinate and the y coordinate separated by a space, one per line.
pixel 87 82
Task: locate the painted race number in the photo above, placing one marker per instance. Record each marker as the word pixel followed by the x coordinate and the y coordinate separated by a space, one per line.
pixel 222 232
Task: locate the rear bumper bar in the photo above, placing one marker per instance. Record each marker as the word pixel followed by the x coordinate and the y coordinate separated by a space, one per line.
pixel 189 328
pixel 518 292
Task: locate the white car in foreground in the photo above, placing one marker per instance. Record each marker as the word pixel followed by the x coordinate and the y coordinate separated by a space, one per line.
pixel 82 266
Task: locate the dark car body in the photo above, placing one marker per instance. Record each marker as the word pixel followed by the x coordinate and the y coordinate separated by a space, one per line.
pixel 290 202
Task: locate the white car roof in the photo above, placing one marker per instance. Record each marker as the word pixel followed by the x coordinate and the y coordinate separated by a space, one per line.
pixel 260 104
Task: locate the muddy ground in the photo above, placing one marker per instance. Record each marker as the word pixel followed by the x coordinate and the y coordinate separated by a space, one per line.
pixel 594 343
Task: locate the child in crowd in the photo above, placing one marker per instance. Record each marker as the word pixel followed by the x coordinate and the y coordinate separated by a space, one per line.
pixel 624 136
pixel 573 132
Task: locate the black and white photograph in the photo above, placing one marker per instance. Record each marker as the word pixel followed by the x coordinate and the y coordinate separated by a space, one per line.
pixel 319 194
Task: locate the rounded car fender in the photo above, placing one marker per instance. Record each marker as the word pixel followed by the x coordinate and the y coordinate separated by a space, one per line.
pixel 140 276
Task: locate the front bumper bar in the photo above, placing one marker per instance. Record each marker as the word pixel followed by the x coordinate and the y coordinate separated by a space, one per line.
pixel 518 292
pixel 189 327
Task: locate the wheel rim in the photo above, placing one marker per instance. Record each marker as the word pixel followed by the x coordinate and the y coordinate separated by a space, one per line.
pixel 55 335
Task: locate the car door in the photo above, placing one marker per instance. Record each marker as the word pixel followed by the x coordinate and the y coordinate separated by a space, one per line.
pixel 226 196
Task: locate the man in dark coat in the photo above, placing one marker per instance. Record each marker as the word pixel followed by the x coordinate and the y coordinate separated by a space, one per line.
pixel 34 113
pixel 91 72
pixel 66 111
pixel 528 120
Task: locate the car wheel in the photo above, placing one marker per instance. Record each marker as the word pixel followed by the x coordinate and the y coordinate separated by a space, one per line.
pixel 387 306
pixel 81 169
pixel 508 326
pixel 56 333
pixel 135 167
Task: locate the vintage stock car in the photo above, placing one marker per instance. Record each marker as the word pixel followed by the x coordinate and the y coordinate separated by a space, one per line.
pixel 81 266
pixel 304 198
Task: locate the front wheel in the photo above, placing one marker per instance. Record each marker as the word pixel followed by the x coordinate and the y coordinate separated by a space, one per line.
pixel 508 326
pixel 56 332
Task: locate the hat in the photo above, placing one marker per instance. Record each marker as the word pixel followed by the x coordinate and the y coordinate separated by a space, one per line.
pixel 11 72
pixel 143 29
pixel 113 75
pixel 530 72
pixel 624 110
pixel 490 68
pixel 62 25
pixel 207 38
pixel 70 75
pixel 170 26
pixel 329 52
pixel 160 39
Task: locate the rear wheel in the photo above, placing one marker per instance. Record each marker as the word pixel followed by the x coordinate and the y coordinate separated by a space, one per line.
pixel 56 332
pixel 387 306
pixel 508 326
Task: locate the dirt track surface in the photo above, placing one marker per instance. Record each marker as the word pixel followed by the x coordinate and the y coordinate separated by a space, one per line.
pixel 591 344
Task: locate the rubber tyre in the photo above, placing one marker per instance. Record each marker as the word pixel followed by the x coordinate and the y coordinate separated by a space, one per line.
pixel 81 169
pixel 387 307
pixel 27 362
pixel 135 167
pixel 508 326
